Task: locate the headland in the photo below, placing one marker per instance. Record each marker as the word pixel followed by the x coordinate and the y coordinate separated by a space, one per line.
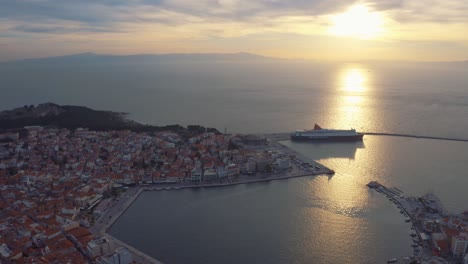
pixel 75 179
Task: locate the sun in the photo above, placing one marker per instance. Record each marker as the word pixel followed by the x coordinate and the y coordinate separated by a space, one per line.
pixel 354 80
pixel 359 22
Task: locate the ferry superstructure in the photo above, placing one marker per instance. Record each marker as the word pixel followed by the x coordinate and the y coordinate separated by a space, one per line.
pixel 320 134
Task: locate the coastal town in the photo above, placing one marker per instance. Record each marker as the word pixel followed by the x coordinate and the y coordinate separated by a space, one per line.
pixel 438 236
pixel 61 189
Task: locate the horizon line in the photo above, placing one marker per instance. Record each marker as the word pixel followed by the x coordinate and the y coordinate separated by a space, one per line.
pixel 260 56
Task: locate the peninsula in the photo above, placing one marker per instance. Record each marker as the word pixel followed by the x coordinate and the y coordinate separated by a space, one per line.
pixel 64 184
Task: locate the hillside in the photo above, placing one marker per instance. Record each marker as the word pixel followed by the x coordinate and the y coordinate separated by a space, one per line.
pixel 72 117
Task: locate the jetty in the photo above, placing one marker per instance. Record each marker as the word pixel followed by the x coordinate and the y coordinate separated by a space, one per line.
pixel 413 136
pixel 417 210
pixel 286 136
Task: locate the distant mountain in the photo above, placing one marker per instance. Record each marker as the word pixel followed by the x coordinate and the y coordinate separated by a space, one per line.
pixel 72 117
pixel 92 58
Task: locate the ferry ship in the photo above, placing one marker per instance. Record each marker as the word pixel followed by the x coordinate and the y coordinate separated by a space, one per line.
pixel 320 134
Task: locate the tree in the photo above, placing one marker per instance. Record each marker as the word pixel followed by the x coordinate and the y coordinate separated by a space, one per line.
pixel 232 145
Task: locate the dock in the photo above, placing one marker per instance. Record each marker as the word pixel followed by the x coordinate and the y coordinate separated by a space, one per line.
pixel 409 207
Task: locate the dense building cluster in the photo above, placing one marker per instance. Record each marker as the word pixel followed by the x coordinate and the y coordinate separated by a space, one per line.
pixel 446 234
pixel 52 179
pixel 438 237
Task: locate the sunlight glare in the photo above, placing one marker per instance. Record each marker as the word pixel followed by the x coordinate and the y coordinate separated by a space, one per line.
pixel 358 21
pixel 353 80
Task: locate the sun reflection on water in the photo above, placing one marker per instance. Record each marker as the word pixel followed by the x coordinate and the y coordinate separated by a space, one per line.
pixel 345 197
pixel 354 80
pixel 352 94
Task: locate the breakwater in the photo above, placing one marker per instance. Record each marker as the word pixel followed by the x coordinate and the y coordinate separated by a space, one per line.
pixel 286 136
pixel 410 207
pixel 413 136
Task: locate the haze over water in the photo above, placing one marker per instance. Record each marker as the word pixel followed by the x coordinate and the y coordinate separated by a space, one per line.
pixel 266 96
pixel 304 220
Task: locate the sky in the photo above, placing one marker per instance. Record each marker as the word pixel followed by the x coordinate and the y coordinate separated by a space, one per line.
pixel 329 30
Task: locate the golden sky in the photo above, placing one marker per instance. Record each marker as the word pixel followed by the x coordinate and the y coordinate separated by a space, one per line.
pixel 315 29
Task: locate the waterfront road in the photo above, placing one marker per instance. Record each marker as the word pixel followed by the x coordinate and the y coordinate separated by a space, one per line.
pixel 115 210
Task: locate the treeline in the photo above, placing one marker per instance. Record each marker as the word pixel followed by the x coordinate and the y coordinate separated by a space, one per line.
pixel 78 116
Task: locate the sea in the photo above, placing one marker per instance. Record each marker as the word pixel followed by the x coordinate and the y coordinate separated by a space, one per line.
pixel 317 219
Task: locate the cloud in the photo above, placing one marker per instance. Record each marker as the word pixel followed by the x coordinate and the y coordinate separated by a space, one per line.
pixel 177 25
pixel 102 14
pixel 431 11
pixel 57 29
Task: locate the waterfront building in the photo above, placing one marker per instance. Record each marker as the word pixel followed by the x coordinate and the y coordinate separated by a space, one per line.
pixel 262 164
pixel 459 245
pixel 251 165
pixel 283 163
pixel 195 175
pixel 222 172
pixel 233 170
pixel 121 256
pixel 210 175
pixel 99 247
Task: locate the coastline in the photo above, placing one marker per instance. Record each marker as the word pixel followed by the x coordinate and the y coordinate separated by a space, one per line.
pixel 112 215
pixel 120 206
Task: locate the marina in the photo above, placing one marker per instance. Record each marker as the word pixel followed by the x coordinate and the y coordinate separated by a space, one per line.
pixel 431 225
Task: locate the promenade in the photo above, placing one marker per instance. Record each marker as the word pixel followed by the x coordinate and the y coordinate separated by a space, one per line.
pixel 411 207
pixel 115 210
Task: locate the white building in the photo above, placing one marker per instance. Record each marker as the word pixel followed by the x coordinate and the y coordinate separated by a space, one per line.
pixel 195 175
pixel 210 175
pixel 5 251
pixel 222 172
pixel 99 247
pixel 251 165
pixel 121 256
pixel 459 245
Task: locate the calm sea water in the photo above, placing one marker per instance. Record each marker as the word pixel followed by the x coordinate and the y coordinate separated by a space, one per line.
pixel 428 99
pixel 304 220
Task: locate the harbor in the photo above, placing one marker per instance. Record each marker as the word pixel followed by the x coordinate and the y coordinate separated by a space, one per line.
pixel 437 235
pixel 300 167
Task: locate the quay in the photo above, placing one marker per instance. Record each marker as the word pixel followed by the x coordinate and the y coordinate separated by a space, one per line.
pixel 109 218
pixel 413 136
pixel 421 212
pixel 406 206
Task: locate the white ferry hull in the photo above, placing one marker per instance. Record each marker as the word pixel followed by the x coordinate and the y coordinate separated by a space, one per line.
pixel 327 138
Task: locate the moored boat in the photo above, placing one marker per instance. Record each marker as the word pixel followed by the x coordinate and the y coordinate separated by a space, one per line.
pixel 320 134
